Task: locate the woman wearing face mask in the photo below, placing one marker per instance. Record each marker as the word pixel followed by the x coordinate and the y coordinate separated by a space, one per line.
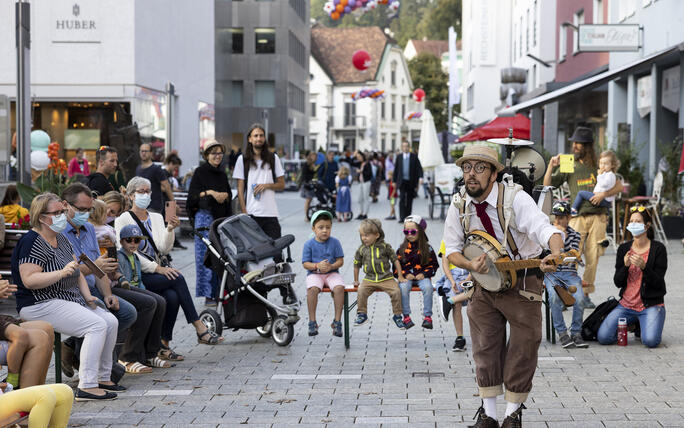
pixel 50 287
pixel 163 280
pixel 116 204
pixel 640 275
pixel 208 199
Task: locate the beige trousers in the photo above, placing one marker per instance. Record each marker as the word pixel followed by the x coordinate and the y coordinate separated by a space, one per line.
pixel 592 227
pixel 389 286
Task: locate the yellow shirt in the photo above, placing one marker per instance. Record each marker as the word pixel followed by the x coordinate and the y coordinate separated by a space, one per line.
pixel 442 251
pixel 13 213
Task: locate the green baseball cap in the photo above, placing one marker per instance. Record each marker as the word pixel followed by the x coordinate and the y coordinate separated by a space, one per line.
pixel 320 213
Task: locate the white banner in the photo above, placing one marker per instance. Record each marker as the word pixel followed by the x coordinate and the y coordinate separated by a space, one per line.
pixel 670 85
pixel 608 37
pixel 454 81
pixel 644 96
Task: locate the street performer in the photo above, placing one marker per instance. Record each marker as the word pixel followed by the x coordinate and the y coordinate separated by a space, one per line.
pixel 528 232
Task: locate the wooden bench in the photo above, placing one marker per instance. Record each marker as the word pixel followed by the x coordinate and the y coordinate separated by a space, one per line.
pixel 12 237
pixel 21 417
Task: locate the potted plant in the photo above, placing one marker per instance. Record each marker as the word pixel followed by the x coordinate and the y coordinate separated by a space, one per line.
pixel 54 179
pixel 672 213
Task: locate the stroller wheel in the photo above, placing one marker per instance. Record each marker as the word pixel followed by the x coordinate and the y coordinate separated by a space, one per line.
pixel 211 319
pixel 265 330
pixel 282 332
pixel 312 209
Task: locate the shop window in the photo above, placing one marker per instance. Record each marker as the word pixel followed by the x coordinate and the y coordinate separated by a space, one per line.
pixel 264 93
pixel 230 40
pixel 264 39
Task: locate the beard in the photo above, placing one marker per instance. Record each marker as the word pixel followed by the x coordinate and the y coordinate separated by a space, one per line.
pixel 475 193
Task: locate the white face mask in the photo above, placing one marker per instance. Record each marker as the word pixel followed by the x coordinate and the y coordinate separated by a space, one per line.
pixel 142 200
pixel 59 223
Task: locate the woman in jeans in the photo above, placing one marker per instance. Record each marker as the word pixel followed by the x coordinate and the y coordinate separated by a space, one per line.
pixel 365 177
pixel 640 275
pixel 163 280
pixel 50 288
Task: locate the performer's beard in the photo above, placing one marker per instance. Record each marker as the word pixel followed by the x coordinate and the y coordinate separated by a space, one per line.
pixel 475 193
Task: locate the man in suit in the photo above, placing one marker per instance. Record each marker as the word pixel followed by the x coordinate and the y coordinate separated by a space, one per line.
pixel 407 174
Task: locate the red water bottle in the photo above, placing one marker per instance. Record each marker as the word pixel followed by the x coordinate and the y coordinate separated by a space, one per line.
pixel 622 332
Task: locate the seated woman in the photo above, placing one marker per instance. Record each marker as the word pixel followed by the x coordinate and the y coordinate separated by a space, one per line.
pixel 47 405
pixel 165 281
pixel 640 275
pixel 116 204
pixel 50 287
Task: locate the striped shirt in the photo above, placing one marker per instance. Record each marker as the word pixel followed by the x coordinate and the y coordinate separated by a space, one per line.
pixel 572 242
pixel 33 248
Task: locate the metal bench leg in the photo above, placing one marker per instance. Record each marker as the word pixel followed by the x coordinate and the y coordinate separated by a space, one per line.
pixel 346 321
pixel 58 358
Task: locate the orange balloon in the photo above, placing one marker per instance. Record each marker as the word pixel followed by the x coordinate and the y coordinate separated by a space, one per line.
pixel 339 8
pixel 335 16
pixel 343 2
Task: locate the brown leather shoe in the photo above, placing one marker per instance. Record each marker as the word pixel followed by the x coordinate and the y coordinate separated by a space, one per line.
pixel 514 420
pixel 484 421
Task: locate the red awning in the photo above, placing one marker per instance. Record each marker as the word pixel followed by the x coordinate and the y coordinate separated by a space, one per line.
pixel 498 128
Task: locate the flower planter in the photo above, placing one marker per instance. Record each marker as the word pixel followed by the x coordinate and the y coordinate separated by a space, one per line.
pixel 673 226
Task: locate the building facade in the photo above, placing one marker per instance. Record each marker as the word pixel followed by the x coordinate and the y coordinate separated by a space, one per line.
pixel 99 66
pixel 262 63
pixel 338 122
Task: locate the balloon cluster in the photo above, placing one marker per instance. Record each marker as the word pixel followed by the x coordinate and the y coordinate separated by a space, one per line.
pixel 413 115
pixel 368 93
pixel 336 9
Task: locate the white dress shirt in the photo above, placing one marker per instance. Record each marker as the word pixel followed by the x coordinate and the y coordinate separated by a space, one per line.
pixel 531 231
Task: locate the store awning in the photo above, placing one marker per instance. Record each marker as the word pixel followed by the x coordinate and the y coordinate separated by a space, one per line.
pixel 589 83
pixel 499 128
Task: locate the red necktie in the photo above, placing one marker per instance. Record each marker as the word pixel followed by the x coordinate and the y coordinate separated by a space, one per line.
pixel 484 217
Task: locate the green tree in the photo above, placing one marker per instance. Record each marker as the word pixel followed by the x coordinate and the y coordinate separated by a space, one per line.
pixel 437 20
pixel 426 73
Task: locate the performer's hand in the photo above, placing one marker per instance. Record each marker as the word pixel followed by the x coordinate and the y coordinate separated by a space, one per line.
pixel 479 264
pixel 547 264
pixel 555 161
pixel 597 198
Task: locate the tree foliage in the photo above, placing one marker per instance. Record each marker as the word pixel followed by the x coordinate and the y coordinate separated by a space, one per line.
pixel 426 73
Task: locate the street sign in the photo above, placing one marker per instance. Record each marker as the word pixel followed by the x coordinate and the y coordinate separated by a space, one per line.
pixel 609 37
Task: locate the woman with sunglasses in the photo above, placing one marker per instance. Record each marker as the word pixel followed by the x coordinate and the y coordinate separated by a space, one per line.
pixel 640 269
pixel 208 199
pixel 163 280
pixel 50 287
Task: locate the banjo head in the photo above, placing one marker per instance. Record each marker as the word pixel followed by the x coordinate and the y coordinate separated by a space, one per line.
pixel 492 280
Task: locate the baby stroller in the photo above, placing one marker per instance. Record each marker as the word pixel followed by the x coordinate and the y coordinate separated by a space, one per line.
pixel 323 198
pixel 242 255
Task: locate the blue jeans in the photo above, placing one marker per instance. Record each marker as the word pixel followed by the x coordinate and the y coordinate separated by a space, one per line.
pixel 650 319
pixel 425 286
pixel 443 283
pixel 556 304
pixel 203 274
pixel 585 195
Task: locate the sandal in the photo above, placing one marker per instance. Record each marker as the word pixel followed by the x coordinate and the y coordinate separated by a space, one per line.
pixel 135 367
pixel 159 363
pixel 168 355
pixel 213 338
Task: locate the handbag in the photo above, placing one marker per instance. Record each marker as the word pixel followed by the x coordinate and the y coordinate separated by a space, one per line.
pixel 163 260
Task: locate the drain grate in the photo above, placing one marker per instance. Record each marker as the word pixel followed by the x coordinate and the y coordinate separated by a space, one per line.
pixel 427 374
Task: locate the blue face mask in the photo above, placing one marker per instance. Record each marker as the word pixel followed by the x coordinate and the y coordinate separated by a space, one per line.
pixel 80 218
pixel 636 229
pixel 142 200
pixel 59 223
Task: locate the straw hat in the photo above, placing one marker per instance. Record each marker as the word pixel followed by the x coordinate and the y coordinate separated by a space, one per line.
pixel 481 153
pixel 212 143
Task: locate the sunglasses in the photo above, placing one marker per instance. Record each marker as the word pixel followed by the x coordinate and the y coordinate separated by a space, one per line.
pixel 132 240
pixel 639 208
pixel 410 232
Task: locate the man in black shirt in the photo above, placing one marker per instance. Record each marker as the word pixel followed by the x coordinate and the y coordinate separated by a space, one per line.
pixel 157 177
pixel 107 160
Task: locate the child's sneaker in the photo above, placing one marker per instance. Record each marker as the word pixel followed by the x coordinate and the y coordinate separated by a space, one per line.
pixel 573 212
pixel 408 323
pixel 337 328
pixel 360 318
pixel 427 323
pixel 313 328
pixel 397 320
pixel 445 308
pixel 123 283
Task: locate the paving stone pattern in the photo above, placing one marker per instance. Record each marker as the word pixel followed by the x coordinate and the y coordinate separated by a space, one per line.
pixel 391 377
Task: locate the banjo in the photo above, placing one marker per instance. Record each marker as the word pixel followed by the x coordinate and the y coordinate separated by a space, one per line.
pixel 501 270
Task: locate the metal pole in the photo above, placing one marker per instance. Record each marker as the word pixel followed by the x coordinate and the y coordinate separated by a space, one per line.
pixel 170 112
pixel 23 105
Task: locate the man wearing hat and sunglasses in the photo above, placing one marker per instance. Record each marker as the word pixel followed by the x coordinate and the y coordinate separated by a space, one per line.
pixel 592 220
pixel 498 363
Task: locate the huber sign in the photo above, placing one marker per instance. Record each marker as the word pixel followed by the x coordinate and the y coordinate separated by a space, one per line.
pixel 608 37
pixel 75 22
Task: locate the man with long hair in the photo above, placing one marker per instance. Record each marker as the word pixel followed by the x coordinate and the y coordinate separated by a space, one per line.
pixel 592 220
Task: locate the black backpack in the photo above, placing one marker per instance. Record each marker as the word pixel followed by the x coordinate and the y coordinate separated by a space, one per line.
pixel 591 324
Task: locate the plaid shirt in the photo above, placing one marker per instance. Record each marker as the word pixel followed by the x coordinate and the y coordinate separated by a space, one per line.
pixel 572 241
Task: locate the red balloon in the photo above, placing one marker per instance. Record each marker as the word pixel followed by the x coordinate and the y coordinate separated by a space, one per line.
pixel 418 95
pixel 361 60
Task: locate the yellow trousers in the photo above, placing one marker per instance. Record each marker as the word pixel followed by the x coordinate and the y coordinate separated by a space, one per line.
pixel 593 230
pixel 47 405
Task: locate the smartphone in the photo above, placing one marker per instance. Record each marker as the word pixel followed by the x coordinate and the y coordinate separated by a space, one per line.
pixel 170 210
pixel 111 252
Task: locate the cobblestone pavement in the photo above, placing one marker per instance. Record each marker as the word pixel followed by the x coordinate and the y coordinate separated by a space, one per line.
pixel 391 377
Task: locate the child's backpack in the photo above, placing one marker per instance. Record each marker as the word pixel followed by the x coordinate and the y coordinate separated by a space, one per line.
pixel 591 324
